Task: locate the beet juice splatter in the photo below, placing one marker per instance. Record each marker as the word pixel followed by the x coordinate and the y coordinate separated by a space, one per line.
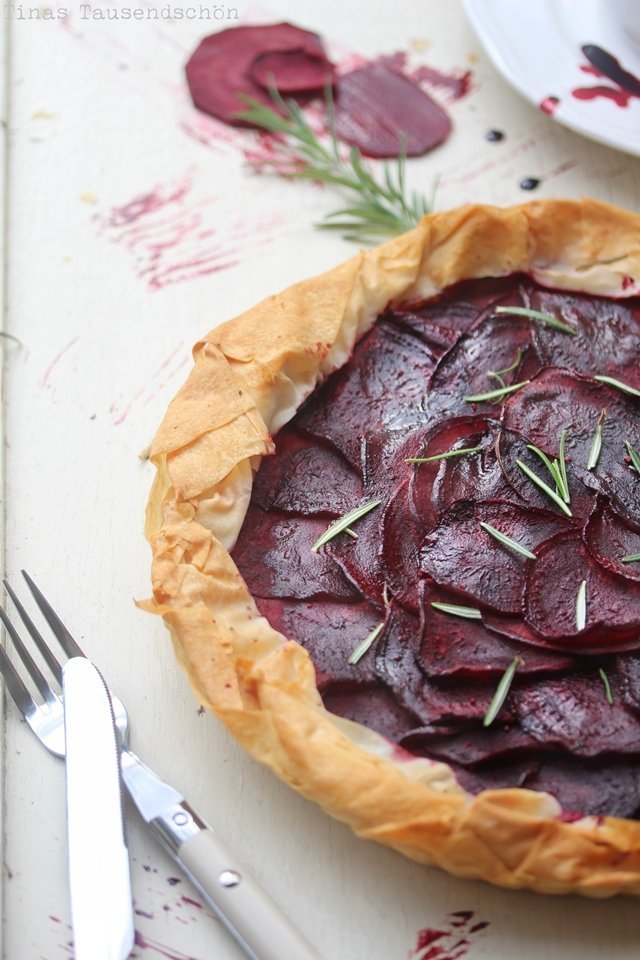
pixel 602 64
pixel 449 941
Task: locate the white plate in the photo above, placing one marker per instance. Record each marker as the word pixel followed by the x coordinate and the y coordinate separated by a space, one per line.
pixel 537 46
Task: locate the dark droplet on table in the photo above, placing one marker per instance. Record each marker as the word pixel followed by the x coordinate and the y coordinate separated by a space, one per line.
pixel 529 183
pixel 494 135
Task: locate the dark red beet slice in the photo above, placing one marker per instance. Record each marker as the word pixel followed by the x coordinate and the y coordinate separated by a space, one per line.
pixel 453 646
pixel 382 458
pixel 573 713
pixel 553 581
pixel 609 788
pixel 436 486
pixel 497 774
pixel 402 536
pixel 360 558
pixel 306 478
pixel 462 557
pixel 240 60
pixel 555 400
pixel 384 113
pixel 329 631
pixel 606 339
pixel 628 671
pixel 292 72
pixel 511 448
pixel 372 705
pixel 609 539
pixel 438 325
pixel 273 554
pixel 354 403
pixel 493 345
pixel 471 746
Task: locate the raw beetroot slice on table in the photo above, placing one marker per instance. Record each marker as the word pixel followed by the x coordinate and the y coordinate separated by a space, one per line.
pixel 384 114
pixel 241 60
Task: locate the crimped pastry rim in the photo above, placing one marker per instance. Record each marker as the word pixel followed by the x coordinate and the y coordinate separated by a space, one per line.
pixel 249 377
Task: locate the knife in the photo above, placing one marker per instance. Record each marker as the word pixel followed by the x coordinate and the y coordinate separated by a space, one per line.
pixel 99 879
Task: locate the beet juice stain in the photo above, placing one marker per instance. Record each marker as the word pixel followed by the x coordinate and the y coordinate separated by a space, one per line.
pixel 603 64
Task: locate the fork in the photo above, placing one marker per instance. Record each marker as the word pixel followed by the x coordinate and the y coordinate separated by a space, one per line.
pixel 257 924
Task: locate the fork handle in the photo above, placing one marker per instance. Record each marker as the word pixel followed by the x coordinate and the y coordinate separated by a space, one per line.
pixel 259 926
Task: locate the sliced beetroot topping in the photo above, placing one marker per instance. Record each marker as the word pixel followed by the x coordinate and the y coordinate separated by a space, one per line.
pixel 354 402
pixel 242 60
pixel 610 540
pixel 612 604
pixel 384 114
pixel 494 345
pixel 308 479
pixel 462 557
pixel 570 722
pixel 274 554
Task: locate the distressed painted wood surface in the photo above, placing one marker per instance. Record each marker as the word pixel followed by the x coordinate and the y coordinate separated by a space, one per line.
pixel 133 226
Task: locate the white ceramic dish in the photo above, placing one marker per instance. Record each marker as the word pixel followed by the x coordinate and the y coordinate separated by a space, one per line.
pixel 537 46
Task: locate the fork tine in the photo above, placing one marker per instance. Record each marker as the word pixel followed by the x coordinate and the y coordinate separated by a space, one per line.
pixel 21 696
pixel 51 661
pixel 32 667
pixel 63 636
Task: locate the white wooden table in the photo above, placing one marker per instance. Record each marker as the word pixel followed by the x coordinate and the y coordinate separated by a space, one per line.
pixel 132 227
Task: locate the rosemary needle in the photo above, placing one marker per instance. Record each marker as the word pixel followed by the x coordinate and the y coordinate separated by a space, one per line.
pixel 634 455
pixel 618 384
pixel 545 318
pixel 581 606
pixel 342 524
pixel 596 443
pixel 607 686
pixel 496 394
pixel 467 613
pixel 362 648
pixel 502 691
pixel 507 541
pixel 378 207
pixel 631 558
pixel 443 456
pixel 544 487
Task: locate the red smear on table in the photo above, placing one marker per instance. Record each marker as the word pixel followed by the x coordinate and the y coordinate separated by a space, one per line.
pixel 159 948
pixel 147 392
pixel 45 380
pixel 169 232
pixel 549 105
pixel 449 941
pixel 604 66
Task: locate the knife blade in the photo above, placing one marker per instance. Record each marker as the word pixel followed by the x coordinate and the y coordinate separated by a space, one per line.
pixel 99 878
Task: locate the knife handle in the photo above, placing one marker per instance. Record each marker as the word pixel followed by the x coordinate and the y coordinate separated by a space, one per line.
pixel 259 926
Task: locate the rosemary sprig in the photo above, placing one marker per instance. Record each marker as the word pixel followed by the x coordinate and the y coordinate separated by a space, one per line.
pixel 343 523
pixel 545 318
pixel 544 487
pixel 379 206
pixel 468 613
pixel 362 647
pixel 507 541
pixel 563 467
pixel 618 384
pixel 581 606
pixel 557 468
pixel 630 558
pixel 502 691
pixel 496 394
pixel 635 456
pixel 596 443
pixel 607 686
pixel 443 456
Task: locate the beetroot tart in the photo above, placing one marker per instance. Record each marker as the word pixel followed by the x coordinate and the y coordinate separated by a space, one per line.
pixel 396 540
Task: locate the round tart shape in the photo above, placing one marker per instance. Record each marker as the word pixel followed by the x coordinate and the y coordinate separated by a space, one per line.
pixel 250 376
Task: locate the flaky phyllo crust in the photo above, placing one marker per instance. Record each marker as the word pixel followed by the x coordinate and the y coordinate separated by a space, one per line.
pixel 250 375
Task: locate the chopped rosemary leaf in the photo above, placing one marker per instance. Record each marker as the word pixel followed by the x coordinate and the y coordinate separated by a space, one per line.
pixel 635 456
pixel 343 523
pixel 362 648
pixel 581 606
pixel 537 315
pixel 469 613
pixel 507 541
pixel 385 594
pixel 596 443
pixel 502 691
pixel 496 394
pixel 544 487
pixel 607 686
pixel 351 533
pixel 443 456
pixel 498 374
pixel 563 466
pixel 630 558
pixel 618 384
